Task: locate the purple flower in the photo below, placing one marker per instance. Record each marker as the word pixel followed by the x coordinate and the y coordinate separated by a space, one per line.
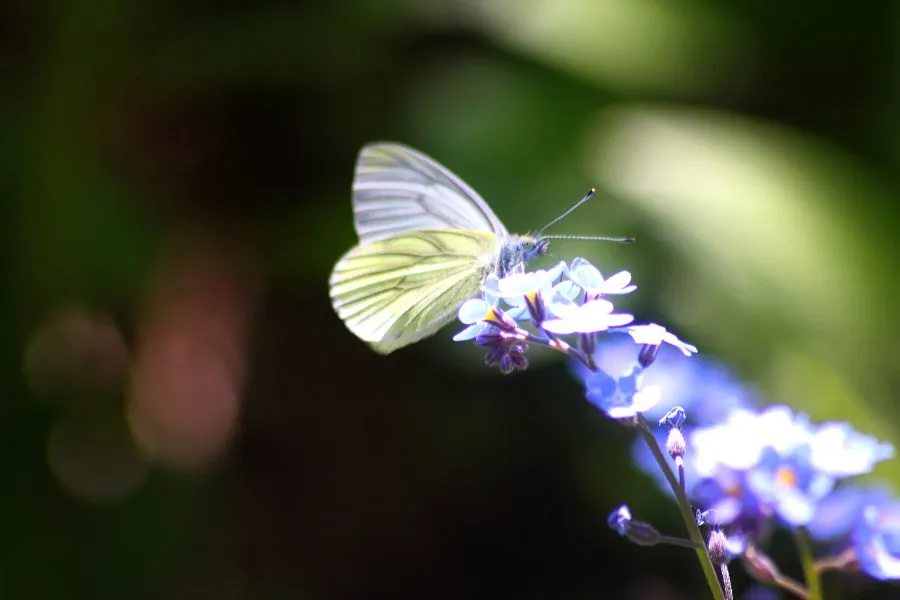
pixel 506 352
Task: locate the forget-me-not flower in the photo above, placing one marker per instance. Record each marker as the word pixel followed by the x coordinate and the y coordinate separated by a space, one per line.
pixel 589 278
pixel 877 540
pixel 481 316
pixel 788 463
pixel 593 316
pixel 622 397
pixel 651 334
pixel 838 513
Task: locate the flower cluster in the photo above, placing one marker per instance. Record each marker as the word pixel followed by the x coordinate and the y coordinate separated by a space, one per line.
pixel 749 469
pixel 564 308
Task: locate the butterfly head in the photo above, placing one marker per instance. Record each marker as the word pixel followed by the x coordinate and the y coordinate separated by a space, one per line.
pixel 520 250
pixel 534 246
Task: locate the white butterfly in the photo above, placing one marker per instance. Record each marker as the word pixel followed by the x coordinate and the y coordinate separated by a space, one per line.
pixel 426 243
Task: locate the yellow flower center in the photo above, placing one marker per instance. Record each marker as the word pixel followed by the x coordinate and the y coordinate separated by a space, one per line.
pixel 786 476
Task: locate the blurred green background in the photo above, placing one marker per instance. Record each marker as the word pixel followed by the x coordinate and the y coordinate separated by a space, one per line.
pixel 183 415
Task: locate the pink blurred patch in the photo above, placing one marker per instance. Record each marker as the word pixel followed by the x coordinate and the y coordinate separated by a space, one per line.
pixel 190 369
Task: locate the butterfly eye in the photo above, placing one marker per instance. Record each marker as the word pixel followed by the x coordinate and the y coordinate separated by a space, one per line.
pixel 536 248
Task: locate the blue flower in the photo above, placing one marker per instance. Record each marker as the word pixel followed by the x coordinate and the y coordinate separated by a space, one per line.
pixel 639 532
pixel 877 540
pixel 790 484
pixel 834 449
pixel 621 398
pixel 482 316
pixel 526 292
pixel 472 313
pixel 840 451
pixel 757 465
pixel 522 284
pixel 789 464
pixel 589 278
pixel 705 389
pixel 739 442
pixel 620 520
pixel 565 290
pixel 655 335
pixel 837 514
pixel 591 317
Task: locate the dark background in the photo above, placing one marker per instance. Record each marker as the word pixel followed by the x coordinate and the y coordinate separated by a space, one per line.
pixel 183 416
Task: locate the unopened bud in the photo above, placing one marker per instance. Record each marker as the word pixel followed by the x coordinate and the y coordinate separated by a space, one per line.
pixel 718 546
pixel 675 444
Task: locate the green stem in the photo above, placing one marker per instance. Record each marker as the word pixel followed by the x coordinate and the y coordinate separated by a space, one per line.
pixel 684 507
pixel 808 560
pixel 674 541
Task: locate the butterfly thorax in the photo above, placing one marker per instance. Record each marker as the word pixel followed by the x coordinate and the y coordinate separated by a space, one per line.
pixel 519 250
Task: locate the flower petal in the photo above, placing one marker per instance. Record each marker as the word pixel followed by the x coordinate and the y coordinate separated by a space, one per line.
pixel 473 310
pixel 469 333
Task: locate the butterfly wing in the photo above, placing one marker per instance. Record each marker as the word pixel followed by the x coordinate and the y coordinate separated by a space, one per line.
pixel 398 190
pixel 395 291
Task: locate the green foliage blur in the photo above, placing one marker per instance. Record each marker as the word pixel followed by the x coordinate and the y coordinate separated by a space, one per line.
pixel 183 416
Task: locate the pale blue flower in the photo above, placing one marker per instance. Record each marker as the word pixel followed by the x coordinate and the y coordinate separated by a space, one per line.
pixel 523 284
pixel 877 540
pixel 481 317
pixel 841 451
pixel 471 314
pixel 837 514
pixel 790 464
pixel 622 397
pixel 591 280
pixel 591 317
pixel 652 334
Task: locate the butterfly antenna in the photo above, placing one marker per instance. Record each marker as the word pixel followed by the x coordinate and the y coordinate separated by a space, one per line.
pixel 593 238
pixel 587 197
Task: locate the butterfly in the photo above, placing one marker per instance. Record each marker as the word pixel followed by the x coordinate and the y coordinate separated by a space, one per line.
pixel 427 241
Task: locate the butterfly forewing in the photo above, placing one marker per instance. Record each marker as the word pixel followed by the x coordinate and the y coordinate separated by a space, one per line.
pixel 395 291
pixel 398 190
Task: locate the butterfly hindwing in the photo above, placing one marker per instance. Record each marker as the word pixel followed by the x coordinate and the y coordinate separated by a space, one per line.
pixel 395 291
